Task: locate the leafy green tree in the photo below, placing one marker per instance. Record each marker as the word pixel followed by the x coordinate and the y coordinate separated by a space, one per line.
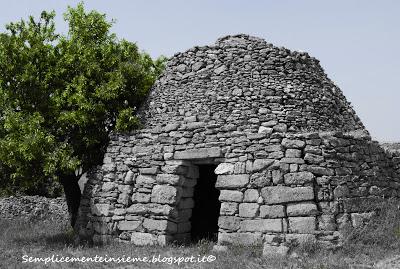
pixel 62 95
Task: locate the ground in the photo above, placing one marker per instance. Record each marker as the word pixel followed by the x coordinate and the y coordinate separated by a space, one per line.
pixel 44 239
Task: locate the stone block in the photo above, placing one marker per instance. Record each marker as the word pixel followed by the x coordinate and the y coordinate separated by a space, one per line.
pixel 187 192
pixel 302 224
pixel 261 225
pixel 266 130
pixel 232 181
pixel 260 164
pixel 302 209
pixel 162 210
pixel 251 195
pixel 293 153
pixel 273 251
pixel 145 180
pixel 101 209
pixel 277 176
pixel 224 169
pixel 160 225
pixel 130 225
pixel 109 186
pixel 148 170
pixel 313 158
pixel 185 214
pixel 231 196
pixel 143 239
pixel 248 210
pixel 283 194
pixel 140 197
pixel 293 143
pixel 320 171
pixel 243 239
pixel 186 203
pixel 123 198
pixel 170 179
pixel 327 223
pixel 272 211
pixel 200 153
pixel 129 177
pixel 229 208
pixel 292 160
pixel 164 194
pixel 184 227
pixel 298 178
pixel 174 169
pixel 301 239
pixel 137 209
pixel 230 223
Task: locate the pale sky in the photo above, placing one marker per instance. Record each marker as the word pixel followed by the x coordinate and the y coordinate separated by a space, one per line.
pixel 357 42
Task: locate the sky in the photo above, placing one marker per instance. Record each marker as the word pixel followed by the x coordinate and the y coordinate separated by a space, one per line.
pixel 357 42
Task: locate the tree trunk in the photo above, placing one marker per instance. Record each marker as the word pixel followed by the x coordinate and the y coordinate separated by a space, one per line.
pixel 72 195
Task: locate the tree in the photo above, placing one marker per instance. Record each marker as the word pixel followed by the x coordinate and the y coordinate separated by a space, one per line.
pixel 62 95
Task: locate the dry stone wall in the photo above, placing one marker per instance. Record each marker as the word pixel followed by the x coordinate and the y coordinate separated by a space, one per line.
pixel 269 119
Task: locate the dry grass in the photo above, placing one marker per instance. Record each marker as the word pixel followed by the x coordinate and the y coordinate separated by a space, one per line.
pixel 376 241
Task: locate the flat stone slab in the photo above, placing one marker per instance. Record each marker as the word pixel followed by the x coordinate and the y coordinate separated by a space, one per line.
pixel 232 181
pixel 283 194
pixel 200 153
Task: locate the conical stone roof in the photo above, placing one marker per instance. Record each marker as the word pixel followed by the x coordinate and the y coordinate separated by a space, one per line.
pixel 245 82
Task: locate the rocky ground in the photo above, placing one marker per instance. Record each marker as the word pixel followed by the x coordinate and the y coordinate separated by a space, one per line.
pixel 34 208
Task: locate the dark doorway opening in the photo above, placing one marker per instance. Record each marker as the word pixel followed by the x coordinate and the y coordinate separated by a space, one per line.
pixel 205 213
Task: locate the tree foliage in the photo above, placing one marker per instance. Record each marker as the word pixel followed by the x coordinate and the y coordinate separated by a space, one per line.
pixel 61 96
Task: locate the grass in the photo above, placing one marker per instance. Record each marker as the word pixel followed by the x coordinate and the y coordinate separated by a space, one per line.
pixel 377 240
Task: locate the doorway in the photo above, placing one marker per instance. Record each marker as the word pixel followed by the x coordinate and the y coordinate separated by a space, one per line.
pixel 204 220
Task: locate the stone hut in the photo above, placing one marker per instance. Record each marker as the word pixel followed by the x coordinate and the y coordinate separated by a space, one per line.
pixel 245 143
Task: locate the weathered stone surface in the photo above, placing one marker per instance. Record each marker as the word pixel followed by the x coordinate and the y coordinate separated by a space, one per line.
pixel 298 178
pixel 272 211
pixel 143 239
pixel 320 171
pixel 228 208
pixel 251 195
pixel 302 209
pixel 244 239
pixel 224 169
pixel 139 197
pixel 293 153
pixel 248 210
pixel 313 158
pixel 271 251
pixel 302 224
pixel 261 225
pixel 102 209
pixel 160 225
pixel 128 225
pixel 171 179
pixel 201 153
pixel 282 194
pixel 301 238
pixel 232 181
pixel 293 143
pixel 164 194
pixel 186 203
pixel 292 160
pixel 231 196
pixel 260 164
pixel 228 223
